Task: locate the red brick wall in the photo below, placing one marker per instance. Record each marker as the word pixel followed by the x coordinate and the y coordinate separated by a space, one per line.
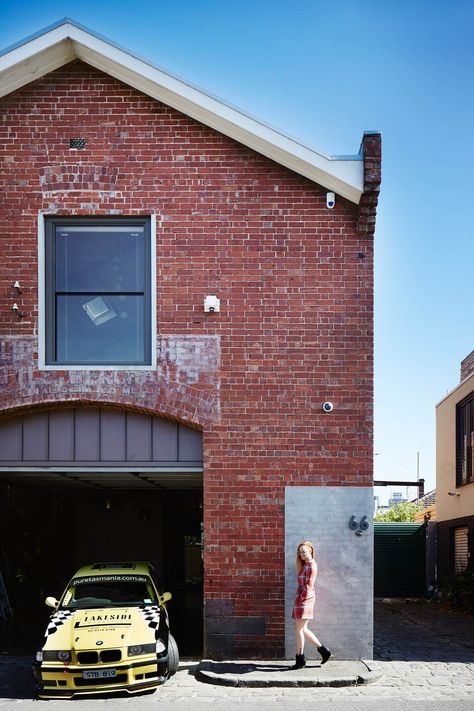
pixel 295 328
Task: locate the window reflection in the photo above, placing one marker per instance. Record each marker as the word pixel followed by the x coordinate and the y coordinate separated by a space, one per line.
pixel 99 259
pixel 119 339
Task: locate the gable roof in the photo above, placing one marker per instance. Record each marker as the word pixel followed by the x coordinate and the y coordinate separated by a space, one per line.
pixel 67 40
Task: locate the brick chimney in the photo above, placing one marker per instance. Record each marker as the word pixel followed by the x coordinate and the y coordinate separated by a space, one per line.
pixel 371 149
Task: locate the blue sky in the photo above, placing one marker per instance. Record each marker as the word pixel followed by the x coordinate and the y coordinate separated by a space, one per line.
pixel 323 73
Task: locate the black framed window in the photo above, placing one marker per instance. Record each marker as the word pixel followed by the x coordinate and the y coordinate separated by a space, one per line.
pixel 98 291
pixel 464 440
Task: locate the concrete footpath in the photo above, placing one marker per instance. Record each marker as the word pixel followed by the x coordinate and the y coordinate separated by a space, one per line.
pixel 277 673
pixel 404 631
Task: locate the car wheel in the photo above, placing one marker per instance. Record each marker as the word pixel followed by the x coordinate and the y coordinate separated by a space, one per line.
pixel 173 656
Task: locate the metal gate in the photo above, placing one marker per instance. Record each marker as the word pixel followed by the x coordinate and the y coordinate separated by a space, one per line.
pixel 399 559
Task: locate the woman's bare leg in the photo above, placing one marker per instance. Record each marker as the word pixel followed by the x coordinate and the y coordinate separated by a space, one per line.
pixel 300 635
pixel 310 635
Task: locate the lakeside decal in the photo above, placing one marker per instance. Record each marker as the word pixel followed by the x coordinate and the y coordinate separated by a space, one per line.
pixel 109 579
pixel 107 618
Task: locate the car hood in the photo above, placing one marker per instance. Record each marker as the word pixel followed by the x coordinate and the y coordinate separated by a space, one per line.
pixel 102 628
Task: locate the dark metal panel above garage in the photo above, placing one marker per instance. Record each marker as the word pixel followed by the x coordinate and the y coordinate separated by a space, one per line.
pixel 104 478
pixel 97 437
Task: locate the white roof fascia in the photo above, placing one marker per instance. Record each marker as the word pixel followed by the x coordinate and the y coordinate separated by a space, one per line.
pixel 61 44
pixel 15 75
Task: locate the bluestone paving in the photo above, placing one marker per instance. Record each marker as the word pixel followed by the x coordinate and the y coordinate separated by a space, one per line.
pixel 422 654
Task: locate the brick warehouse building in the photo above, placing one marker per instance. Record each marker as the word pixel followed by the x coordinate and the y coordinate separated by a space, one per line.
pixel 134 422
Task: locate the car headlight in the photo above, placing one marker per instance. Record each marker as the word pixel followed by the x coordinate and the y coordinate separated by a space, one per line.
pixel 63 655
pixel 135 649
pixel 39 655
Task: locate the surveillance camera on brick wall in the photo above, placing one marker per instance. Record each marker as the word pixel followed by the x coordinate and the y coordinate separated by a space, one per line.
pixel 328 406
pixel 330 200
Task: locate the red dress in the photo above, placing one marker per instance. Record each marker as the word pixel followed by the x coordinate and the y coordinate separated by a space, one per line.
pixel 304 601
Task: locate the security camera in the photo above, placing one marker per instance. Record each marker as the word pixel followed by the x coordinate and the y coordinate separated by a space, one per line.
pixel 328 407
pixel 330 200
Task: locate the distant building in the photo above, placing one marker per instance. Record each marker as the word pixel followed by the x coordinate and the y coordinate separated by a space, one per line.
pixel 397 498
pixel 428 512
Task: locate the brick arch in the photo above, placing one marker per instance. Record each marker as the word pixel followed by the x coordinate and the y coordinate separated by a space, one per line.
pixel 184 386
pixel 193 411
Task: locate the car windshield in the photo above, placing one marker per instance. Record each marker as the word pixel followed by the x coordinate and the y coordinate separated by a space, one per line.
pixel 87 593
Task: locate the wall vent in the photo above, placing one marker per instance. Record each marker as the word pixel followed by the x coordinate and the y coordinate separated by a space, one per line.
pixel 77 143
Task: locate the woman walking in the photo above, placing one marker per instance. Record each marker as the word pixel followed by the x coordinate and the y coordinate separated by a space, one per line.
pixel 304 604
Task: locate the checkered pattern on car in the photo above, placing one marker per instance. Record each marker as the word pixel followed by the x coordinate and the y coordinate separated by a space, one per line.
pixel 151 615
pixel 58 619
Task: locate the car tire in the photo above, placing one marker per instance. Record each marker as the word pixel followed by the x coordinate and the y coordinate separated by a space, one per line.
pixel 173 656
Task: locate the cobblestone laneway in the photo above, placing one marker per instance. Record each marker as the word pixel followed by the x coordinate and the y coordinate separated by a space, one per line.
pixel 426 656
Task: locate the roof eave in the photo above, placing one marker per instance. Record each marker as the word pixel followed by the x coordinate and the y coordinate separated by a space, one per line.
pixel 67 41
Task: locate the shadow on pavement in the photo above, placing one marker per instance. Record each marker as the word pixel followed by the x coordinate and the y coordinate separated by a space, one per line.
pixel 16 677
pixel 241 668
pixel 422 631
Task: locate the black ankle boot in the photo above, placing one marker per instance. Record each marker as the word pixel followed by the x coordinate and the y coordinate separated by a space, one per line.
pixel 300 662
pixel 325 654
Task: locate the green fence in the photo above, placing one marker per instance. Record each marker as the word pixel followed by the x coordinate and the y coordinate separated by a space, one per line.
pixel 399 559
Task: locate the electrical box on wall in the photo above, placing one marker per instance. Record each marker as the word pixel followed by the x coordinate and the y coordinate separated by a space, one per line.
pixel 212 304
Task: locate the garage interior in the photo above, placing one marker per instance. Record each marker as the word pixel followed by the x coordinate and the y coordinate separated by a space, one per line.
pixel 55 518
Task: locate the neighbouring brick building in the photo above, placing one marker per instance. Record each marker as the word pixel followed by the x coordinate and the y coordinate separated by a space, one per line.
pixel 129 413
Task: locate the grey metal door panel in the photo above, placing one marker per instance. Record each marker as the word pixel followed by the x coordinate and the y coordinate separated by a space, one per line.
pixel 61 435
pixel 11 439
pixel 189 444
pixel 138 437
pixel 96 436
pixel 87 430
pixel 35 437
pixel 165 440
pixel 112 436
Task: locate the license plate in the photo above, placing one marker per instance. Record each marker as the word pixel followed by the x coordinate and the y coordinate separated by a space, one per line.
pixel 99 674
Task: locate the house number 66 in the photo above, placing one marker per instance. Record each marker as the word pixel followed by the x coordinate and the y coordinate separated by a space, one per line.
pixel 358 526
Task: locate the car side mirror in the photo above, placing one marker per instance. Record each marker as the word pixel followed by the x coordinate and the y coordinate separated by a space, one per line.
pixel 166 597
pixel 51 602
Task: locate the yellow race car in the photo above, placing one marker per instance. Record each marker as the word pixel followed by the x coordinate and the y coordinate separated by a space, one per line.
pixel 109 632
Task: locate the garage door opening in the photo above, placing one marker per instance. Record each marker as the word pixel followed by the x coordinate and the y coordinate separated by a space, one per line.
pixel 46 534
pixel 57 516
